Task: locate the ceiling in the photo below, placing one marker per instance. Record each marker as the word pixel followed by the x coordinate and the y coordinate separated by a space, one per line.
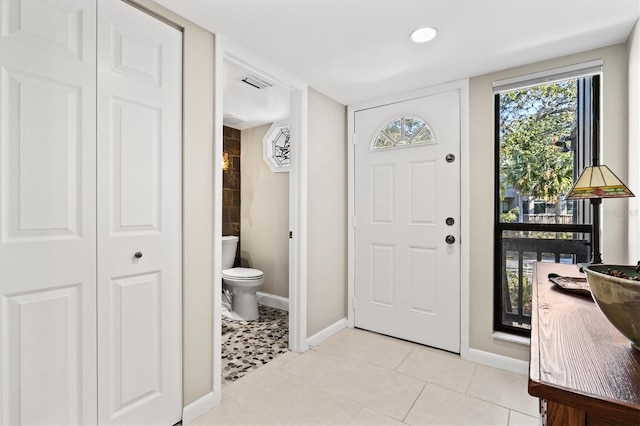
pixel 246 106
pixel 355 50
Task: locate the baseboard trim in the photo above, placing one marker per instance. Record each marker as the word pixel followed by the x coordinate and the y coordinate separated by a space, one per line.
pixel 323 335
pixel 273 301
pixel 497 361
pixel 512 338
pixel 199 407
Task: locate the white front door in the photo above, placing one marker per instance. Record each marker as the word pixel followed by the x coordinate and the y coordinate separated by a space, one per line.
pixel 47 212
pixel 407 208
pixel 139 217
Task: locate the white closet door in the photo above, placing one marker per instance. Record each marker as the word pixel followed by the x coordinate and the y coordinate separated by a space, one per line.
pixel 47 212
pixel 139 206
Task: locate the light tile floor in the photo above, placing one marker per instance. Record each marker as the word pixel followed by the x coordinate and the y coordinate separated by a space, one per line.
pixel 362 378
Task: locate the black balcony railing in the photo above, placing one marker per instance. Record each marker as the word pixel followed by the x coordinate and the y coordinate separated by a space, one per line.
pixel 563 219
pixel 522 246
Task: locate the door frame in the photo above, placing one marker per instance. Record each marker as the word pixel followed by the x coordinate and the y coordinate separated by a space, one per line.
pixel 227 50
pixel 463 87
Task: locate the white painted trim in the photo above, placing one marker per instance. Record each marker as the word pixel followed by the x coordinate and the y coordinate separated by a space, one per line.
pixel 216 352
pixel 298 227
pixel 199 407
pixel 273 301
pixel 262 67
pixel 324 334
pixel 465 217
pixel 465 257
pixel 408 96
pixel 351 202
pixel 513 338
pixel 537 78
pixel 497 361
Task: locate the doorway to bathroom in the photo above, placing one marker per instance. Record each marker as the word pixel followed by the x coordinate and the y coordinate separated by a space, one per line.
pixel 258 130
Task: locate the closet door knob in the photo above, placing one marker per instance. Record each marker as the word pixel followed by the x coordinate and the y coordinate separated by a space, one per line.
pixel 138 255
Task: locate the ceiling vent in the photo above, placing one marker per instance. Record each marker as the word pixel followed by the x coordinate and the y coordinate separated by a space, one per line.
pixel 256 82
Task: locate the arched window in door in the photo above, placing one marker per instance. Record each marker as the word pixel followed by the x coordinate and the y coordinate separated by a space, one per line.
pixel 403 131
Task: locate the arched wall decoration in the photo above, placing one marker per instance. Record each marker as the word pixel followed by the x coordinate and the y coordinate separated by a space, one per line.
pixel 277 147
pixel 403 132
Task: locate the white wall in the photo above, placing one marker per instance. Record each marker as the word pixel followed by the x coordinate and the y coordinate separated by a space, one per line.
pixel 633 50
pixel 614 147
pixel 197 195
pixel 327 213
pixel 264 214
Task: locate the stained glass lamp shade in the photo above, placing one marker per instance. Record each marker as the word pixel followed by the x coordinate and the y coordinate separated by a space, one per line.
pixel 598 182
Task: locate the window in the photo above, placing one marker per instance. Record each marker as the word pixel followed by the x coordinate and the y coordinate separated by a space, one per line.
pixel 545 135
pixel 403 131
pixel 277 147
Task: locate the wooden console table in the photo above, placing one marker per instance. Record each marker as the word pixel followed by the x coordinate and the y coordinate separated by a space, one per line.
pixel 583 370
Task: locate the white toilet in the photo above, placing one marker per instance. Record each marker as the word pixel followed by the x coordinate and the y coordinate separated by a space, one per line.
pixel 241 283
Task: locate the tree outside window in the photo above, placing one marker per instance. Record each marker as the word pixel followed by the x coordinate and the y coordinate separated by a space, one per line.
pixel 536 141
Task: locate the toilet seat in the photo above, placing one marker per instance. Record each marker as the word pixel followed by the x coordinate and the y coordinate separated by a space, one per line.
pixel 241 274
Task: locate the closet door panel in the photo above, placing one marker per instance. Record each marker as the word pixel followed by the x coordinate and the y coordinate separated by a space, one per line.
pixel 47 212
pixel 45 201
pixel 136 167
pixel 139 205
pixel 46 381
pixel 136 340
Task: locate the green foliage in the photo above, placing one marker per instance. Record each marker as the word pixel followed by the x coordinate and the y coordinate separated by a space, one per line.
pixel 511 216
pixel 531 121
pixel 512 282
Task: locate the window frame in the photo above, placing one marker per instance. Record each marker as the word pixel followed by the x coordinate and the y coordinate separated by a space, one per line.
pixel 588 129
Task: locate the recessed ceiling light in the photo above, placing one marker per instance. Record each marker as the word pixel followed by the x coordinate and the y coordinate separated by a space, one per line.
pixel 423 35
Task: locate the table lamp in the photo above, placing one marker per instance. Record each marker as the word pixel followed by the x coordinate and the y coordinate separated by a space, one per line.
pixel 595 183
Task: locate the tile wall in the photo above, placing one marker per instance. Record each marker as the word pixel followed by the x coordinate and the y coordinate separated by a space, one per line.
pixel 231 185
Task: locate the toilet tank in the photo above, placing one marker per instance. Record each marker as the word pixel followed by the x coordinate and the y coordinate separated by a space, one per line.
pixel 229 246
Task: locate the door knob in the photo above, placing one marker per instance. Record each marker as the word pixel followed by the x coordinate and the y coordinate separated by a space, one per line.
pixel 450 239
pixel 138 255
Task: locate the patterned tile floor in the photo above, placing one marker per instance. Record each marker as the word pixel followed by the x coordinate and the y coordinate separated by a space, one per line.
pixel 247 345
